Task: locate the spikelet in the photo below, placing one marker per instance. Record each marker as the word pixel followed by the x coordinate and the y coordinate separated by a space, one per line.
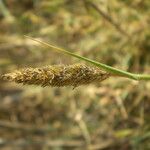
pixel 58 75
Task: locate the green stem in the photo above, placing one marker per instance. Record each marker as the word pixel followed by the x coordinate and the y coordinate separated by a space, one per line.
pixel 142 77
pixel 112 70
pixel 5 11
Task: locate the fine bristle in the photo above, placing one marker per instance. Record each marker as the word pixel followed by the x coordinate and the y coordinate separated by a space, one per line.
pixel 58 75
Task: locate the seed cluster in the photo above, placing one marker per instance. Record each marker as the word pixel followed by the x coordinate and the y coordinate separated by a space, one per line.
pixel 58 75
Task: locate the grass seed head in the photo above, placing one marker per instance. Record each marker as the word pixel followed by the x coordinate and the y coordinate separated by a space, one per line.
pixel 58 75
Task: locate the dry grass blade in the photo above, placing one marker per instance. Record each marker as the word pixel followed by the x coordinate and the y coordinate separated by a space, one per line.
pixel 58 75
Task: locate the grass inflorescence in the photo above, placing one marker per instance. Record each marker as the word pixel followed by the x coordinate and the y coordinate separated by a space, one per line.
pixel 113 71
pixel 58 75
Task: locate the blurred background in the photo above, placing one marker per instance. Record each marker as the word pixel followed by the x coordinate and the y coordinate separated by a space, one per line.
pixel 113 115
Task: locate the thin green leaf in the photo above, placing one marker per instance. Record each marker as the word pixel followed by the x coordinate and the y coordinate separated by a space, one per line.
pixel 112 70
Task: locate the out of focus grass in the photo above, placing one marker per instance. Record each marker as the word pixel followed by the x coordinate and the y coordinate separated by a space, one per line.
pixel 111 115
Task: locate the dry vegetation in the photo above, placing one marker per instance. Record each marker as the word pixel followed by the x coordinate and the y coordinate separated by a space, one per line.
pixel 112 115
